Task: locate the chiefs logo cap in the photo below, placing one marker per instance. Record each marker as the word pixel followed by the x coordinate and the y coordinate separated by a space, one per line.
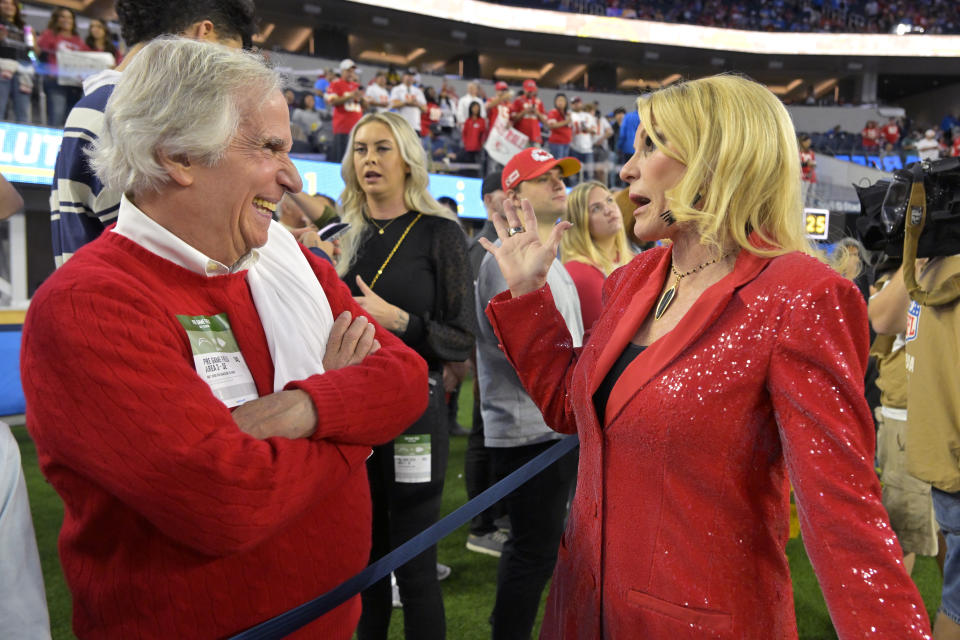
pixel 533 162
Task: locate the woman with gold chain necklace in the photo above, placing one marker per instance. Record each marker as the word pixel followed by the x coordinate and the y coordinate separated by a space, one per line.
pixel 405 259
pixel 721 369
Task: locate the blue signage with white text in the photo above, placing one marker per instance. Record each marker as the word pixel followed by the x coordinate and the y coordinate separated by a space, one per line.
pixel 28 154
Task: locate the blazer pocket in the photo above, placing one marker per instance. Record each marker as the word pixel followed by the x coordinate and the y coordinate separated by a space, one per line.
pixel 704 620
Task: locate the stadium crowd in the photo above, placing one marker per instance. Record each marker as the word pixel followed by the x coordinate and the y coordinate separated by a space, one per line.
pixel 831 16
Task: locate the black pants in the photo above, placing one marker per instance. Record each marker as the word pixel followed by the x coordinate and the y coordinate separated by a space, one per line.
pixel 537 513
pixel 400 511
pixel 340 141
pixel 478 473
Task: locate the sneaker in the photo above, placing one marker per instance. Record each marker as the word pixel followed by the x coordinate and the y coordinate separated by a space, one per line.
pixel 490 544
pixel 456 429
pixel 395 590
pixel 443 571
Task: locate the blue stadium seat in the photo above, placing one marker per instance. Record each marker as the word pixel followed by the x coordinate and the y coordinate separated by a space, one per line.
pixel 892 163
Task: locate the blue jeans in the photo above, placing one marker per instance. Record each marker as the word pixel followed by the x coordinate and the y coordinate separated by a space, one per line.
pixel 586 170
pixel 946 507
pixel 60 99
pixel 558 150
pixel 21 101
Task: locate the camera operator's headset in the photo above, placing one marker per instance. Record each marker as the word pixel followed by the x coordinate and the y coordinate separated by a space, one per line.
pixel 915 219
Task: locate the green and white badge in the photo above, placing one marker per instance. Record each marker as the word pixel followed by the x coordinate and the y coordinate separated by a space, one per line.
pixel 411 458
pixel 218 360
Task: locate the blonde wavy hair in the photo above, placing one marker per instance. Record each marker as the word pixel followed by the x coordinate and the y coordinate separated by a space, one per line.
pixel 353 200
pixel 739 146
pixel 577 243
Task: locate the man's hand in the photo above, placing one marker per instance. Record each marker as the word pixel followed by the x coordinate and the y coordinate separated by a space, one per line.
pixel 351 340
pixel 524 261
pixel 308 237
pixel 284 414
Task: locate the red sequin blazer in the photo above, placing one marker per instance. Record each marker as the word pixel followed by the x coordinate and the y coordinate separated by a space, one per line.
pixel 681 515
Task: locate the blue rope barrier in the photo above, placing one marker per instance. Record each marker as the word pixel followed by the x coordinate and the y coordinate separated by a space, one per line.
pixel 289 621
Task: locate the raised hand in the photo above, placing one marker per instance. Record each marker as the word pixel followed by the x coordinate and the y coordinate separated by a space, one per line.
pixel 523 258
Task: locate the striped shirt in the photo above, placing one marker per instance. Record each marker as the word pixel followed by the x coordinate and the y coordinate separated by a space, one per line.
pixel 80 206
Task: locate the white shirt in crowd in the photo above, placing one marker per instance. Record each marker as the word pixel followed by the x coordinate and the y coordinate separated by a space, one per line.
pixel 928 148
pixel 410 113
pixel 448 111
pixel 378 97
pixel 584 129
pixel 603 128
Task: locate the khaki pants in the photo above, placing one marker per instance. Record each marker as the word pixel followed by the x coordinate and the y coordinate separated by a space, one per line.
pixel 906 499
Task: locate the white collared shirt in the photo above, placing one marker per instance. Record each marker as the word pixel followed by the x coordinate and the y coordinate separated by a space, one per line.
pixel 135 225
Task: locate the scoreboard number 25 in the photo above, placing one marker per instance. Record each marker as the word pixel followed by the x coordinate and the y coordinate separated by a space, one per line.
pixel 817 223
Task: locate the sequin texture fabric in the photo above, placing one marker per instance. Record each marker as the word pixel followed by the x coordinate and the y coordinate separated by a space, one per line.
pixel 680 520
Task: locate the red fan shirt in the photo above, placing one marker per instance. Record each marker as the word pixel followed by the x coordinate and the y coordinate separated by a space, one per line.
pixel 528 124
pixel 891 132
pixel 871 137
pixel 349 113
pixel 560 135
pixel 474 134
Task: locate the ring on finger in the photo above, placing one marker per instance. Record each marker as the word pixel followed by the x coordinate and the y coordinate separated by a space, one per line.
pixel 512 231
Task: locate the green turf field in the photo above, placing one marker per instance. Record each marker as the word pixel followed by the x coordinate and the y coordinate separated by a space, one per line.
pixel 468 592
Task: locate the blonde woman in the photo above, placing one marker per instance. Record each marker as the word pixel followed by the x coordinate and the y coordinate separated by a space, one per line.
pixel 405 259
pixel 723 368
pixel 594 246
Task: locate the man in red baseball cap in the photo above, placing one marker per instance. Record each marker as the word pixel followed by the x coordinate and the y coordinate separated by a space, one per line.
pixel 527 113
pixel 514 430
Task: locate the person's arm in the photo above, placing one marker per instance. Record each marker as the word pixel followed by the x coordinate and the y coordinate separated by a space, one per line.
pixel 396 99
pixel 451 335
pixel 531 331
pixel 10 199
pixel 118 399
pixel 327 389
pixel 517 111
pixel 553 123
pixel 815 382
pixel 337 100
pixel 888 307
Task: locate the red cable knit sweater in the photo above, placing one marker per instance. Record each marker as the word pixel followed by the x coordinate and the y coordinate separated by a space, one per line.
pixel 176 524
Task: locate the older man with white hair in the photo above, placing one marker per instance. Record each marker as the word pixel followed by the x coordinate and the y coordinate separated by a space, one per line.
pixel 202 392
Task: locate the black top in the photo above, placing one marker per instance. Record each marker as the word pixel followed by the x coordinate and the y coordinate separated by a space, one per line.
pixel 602 395
pixel 13 46
pixel 428 277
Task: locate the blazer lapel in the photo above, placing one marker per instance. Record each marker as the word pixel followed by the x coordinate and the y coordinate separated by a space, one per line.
pixel 662 352
pixel 626 325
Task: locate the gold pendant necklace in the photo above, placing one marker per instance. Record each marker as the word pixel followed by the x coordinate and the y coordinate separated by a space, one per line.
pixel 380 229
pixel 670 294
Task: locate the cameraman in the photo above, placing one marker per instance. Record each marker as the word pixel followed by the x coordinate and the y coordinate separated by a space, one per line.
pixel 906 499
pixel 932 445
